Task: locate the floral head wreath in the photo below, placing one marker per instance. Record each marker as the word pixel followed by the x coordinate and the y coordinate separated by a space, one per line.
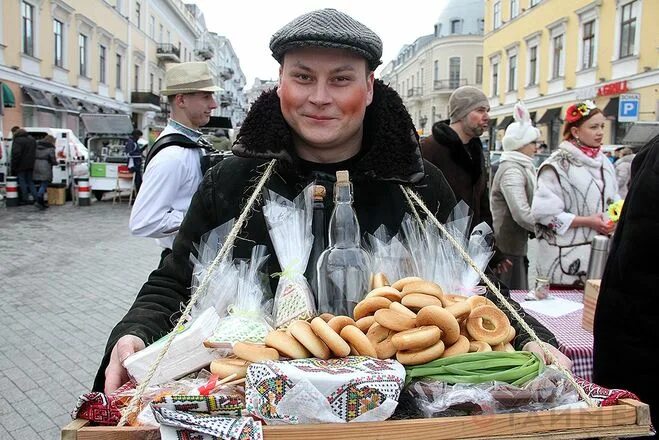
pixel 579 110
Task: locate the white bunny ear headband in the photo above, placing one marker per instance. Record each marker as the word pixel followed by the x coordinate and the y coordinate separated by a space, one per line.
pixel 521 114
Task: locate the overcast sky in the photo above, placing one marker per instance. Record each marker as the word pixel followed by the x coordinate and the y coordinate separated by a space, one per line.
pixel 249 25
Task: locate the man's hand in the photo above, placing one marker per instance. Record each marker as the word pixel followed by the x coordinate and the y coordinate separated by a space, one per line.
pixel 504 266
pixel 115 374
pixel 534 347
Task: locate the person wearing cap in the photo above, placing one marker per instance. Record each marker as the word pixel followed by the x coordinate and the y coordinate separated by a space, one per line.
pixel 327 114
pixel 576 185
pixel 511 196
pixel 456 149
pixel 172 176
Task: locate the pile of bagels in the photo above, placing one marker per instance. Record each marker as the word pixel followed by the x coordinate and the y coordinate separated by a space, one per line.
pixel 411 320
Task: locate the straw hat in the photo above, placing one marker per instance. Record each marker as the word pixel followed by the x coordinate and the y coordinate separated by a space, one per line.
pixel 189 78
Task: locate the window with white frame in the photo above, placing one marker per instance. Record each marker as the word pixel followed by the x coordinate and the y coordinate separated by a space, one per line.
pixel 151 82
pixel 454 72
pixel 27 18
pixel 496 15
pixel 102 63
pixel 136 78
pixel 160 33
pixel 588 44
pixel 118 67
pixel 557 57
pixel 58 37
pixel 152 27
pixel 456 26
pixel 512 72
pixel 627 29
pixel 435 72
pixel 514 8
pixel 479 70
pixel 83 55
pixel 495 76
pixel 533 66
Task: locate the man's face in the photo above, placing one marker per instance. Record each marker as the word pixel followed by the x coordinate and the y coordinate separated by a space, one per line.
pixel 324 94
pixel 197 107
pixel 475 123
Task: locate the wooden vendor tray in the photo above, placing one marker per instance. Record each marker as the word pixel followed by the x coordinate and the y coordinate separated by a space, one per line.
pixel 627 419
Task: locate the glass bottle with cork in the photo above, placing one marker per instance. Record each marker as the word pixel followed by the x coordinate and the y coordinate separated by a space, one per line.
pixel 343 268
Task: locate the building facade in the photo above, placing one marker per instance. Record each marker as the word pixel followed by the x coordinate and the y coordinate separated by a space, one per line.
pixel 60 58
pixel 426 72
pixel 552 53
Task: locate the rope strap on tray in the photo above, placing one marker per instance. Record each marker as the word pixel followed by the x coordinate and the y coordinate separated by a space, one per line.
pixel 133 405
pixel 411 195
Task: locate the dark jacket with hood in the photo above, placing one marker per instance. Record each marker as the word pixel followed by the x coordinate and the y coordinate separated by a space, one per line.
pixel 625 327
pixel 390 157
pixel 23 151
pixel 44 161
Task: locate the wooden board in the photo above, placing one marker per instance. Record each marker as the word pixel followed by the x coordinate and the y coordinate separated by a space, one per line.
pixel 628 419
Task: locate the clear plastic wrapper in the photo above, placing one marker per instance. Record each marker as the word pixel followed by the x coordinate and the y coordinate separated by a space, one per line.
pixel 436 259
pixel 429 398
pixel 289 225
pixel 389 255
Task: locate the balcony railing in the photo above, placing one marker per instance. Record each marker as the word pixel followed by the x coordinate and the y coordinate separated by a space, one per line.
pixel 145 98
pixel 449 84
pixel 169 52
pixel 414 91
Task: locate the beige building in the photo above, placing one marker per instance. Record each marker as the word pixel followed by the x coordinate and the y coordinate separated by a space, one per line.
pixel 552 53
pixel 60 58
pixel 426 72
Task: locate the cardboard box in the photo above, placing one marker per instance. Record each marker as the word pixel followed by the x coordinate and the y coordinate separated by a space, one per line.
pixel 590 295
pixel 56 196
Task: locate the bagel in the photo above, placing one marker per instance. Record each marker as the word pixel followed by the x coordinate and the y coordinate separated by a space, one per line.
pixel 427 287
pixel 488 324
pixel 511 335
pixel 301 330
pixel 366 322
pixel 379 280
pixel 338 322
pixel 461 346
pixel 459 309
pixel 387 292
pixel 380 339
pixel 225 367
pixel 504 346
pixel 334 342
pixel 479 346
pixel 398 285
pixel 442 318
pixel 394 320
pixel 255 352
pixel 417 338
pixel 368 306
pixel 326 316
pixel 479 300
pixel 417 301
pixel 286 344
pixel 418 357
pixel 449 299
pixel 358 341
pixel 398 307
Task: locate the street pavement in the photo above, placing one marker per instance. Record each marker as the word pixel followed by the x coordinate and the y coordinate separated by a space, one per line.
pixel 67 276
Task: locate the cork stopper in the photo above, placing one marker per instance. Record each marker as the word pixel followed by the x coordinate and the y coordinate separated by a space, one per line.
pixel 342 176
pixel 319 193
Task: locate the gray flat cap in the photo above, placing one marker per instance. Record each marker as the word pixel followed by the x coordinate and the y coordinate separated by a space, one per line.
pixel 328 28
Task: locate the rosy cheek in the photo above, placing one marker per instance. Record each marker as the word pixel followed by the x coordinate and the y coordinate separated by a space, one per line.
pixel 353 103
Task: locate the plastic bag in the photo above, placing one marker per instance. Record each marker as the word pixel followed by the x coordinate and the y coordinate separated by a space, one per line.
pixel 428 398
pixel 389 256
pixel 436 259
pixel 289 225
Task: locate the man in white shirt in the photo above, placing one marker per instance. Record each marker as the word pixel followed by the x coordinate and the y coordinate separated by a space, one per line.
pixel 174 173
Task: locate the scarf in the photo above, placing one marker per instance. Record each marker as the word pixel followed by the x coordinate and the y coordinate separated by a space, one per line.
pixel 586 149
pixel 522 159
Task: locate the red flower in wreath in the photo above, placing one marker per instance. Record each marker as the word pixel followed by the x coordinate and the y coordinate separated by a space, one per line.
pixel 579 110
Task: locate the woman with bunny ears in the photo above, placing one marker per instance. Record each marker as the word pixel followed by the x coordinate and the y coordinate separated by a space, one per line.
pixel 576 185
pixel 512 194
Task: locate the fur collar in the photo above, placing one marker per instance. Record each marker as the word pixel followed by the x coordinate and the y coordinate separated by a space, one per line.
pixel 468 157
pixel 390 139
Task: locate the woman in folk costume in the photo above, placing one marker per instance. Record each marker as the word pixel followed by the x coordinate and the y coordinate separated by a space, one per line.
pixel 512 194
pixel 576 185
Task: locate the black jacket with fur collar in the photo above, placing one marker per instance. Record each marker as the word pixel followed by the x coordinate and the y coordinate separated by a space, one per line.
pixel 391 156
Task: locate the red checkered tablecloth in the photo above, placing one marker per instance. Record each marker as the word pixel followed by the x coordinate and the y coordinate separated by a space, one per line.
pixel 573 340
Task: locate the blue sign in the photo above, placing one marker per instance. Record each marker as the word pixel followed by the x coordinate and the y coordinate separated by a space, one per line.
pixel 628 107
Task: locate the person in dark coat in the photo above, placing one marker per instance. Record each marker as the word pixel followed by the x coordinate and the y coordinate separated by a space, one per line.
pixel 134 152
pixel 43 167
pixel 23 152
pixel 456 149
pixel 327 114
pixel 625 326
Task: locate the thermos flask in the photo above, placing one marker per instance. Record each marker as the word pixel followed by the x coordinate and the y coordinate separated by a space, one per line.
pixel 599 251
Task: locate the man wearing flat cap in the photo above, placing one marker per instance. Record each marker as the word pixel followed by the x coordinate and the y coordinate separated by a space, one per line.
pixel 327 114
pixel 173 167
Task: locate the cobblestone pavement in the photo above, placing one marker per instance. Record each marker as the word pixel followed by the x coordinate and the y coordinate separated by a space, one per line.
pixel 67 275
